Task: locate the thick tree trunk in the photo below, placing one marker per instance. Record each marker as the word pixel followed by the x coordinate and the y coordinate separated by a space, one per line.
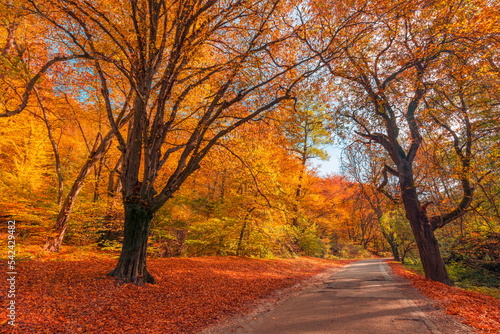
pixel 427 243
pixel 432 261
pixel 131 267
pixel 53 244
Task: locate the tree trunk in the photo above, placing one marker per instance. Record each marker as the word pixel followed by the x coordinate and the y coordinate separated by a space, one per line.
pixel 53 244
pixel 131 267
pixel 395 251
pixel 114 182
pixel 240 239
pixel 298 193
pixel 391 239
pixel 97 178
pixel 430 256
pixel 243 232
pixel 427 243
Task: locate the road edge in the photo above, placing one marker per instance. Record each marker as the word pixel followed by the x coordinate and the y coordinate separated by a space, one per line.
pixel 440 322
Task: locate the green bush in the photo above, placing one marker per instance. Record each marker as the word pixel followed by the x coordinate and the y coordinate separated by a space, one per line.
pixel 111 245
pixel 310 243
pixel 468 276
pixel 349 251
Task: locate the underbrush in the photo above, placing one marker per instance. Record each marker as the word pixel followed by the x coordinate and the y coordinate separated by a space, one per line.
pixel 475 279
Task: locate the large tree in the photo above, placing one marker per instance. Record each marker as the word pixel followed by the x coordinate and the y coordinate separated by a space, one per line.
pixel 382 86
pixel 197 70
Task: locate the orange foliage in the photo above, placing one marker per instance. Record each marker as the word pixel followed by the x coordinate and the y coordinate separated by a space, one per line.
pixel 477 310
pixel 76 296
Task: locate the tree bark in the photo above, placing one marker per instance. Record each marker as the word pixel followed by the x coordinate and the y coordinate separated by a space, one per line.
pixel 114 182
pixel 428 247
pixel 131 267
pixel 391 240
pixel 430 256
pixel 53 244
pixel 97 178
pixel 421 226
pixel 395 251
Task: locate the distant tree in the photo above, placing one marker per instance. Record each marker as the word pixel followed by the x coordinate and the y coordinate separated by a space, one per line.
pixel 305 128
pixel 361 163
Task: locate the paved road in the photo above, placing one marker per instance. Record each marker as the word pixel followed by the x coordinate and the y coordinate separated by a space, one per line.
pixel 360 299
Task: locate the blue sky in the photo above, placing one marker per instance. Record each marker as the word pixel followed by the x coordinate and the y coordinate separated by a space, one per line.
pixel 333 164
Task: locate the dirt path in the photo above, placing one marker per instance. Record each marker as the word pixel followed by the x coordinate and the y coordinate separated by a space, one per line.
pixel 362 298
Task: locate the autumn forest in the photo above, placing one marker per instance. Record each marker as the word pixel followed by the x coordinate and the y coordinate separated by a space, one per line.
pixel 149 129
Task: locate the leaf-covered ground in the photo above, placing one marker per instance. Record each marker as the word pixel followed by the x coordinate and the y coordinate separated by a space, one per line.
pixel 477 310
pixel 77 297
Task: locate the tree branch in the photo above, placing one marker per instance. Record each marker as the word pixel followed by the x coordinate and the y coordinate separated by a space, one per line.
pixel 381 187
pixel 31 84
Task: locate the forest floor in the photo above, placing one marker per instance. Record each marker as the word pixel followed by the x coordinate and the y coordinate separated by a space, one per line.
pixel 77 297
pixel 72 294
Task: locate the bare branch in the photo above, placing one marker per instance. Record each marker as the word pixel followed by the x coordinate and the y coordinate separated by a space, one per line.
pixel 385 180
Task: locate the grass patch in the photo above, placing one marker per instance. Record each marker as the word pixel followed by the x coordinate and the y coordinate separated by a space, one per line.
pixel 475 279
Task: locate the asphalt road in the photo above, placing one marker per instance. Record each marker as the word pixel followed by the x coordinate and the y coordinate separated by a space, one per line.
pixel 360 299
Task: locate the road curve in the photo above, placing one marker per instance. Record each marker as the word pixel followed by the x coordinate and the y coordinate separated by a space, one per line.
pixel 360 299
